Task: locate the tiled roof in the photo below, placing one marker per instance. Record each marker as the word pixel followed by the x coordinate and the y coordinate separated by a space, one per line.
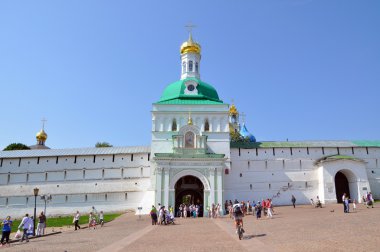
pixel 74 152
pixel 296 144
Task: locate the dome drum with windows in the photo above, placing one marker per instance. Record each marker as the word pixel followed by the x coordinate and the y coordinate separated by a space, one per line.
pixel 190 89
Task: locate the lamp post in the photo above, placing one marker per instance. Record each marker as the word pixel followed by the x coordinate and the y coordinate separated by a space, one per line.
pixel 46 198
pixel 35 190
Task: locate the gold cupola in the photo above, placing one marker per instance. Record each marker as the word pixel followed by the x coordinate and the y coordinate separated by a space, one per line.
pixel 41 136
pixel 190 46
pixel 233 110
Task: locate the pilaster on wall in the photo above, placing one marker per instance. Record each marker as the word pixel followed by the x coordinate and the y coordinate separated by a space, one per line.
pixel 212 186
pixel 166 187
pixel 159 185
pixel 321 187
pixel 220 188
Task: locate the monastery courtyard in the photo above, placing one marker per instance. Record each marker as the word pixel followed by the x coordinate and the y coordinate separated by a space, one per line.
pixel 301 229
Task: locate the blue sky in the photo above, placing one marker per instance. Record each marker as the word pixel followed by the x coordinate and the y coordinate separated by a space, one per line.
pixel 299 69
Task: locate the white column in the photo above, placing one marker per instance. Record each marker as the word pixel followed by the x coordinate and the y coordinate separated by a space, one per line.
pixel 166 188
pixel 212 186
pixel 220 189
pixel 158 185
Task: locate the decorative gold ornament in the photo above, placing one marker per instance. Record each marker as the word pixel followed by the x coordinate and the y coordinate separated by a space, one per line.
pixel 41 135
pixel 190 46
pixel 233 110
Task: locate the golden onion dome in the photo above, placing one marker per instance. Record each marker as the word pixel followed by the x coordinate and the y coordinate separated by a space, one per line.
pixel 41 135
pixel 190 46
pixel 233 110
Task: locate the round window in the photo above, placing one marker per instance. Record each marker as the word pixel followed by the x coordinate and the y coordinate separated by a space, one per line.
pixel 190 87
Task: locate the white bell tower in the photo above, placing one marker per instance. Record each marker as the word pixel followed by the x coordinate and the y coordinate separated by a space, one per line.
pixel 190 58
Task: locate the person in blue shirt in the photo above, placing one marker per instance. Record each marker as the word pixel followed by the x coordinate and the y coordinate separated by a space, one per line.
pixel 6 230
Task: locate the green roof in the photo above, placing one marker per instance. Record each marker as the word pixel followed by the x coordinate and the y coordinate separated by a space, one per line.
pixel 295 144
pixel 175 155
pixel 337 157
pixel 176 91
pixel 189 101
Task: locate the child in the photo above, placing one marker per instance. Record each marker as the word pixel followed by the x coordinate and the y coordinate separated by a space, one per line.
pixel 101 218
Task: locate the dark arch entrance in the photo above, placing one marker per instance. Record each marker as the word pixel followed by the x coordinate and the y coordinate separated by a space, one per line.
pixel 341 186
pixel 189 190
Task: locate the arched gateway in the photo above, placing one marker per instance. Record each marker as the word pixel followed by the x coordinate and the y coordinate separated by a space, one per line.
pixel 341 186
pixel 346 182
pixel 190 191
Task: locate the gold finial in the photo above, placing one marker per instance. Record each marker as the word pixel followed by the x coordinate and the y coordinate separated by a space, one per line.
pixel 233 109
pixel 190 46
pixel 190 121
pixel 190 28
pixel 43 120
pixel 41 136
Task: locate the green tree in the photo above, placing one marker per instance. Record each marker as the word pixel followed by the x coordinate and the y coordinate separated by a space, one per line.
pixel 16 146
pixel 102 144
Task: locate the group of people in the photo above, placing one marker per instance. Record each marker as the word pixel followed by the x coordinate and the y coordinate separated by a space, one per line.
pixel 368 200
pixel 94 218
pixel 264 207
pixel 161 216
pixel 213 211
pixel 26 225
pixel 191 210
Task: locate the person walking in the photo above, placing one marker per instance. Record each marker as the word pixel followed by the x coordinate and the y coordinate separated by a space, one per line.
pixel 6 231
pixel 269 206
pixel 294 201
pixel 76 220
pixel 344 203
pixel 41 224
pixel 153 215
pixel 347 204
pixel 25 224
pixel 354 205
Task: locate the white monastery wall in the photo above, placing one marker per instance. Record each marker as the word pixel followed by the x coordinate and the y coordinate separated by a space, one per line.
pixel 261 173
pixel 114 182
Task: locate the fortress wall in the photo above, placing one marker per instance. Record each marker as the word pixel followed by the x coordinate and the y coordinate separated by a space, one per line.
pixel 262 172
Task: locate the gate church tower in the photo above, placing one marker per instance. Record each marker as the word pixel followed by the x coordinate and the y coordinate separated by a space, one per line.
pixel 190 138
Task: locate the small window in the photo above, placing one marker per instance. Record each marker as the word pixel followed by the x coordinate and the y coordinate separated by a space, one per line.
pixel 196 67
pixel 241 175
pixel 207 126
pixel 250 186
pixel 226 172
pixel 190 66
pixel 126 196
pixel 184 67
pixel 174 125
pixel 85 197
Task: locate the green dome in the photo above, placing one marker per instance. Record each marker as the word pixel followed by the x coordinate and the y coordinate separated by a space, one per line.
pixel 176 91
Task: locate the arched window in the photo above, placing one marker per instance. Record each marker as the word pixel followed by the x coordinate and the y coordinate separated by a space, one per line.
pixel 174 125
pixel 189 140
pixel 207 126
pixel 196 67
pixel 184 67
pixel 190 66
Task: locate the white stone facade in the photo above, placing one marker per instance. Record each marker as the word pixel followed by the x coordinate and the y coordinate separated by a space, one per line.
pixel 110 182
pixel 261 173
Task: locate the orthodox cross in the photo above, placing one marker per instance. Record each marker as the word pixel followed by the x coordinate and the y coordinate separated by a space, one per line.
pixel 43 120
pixel 190 27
